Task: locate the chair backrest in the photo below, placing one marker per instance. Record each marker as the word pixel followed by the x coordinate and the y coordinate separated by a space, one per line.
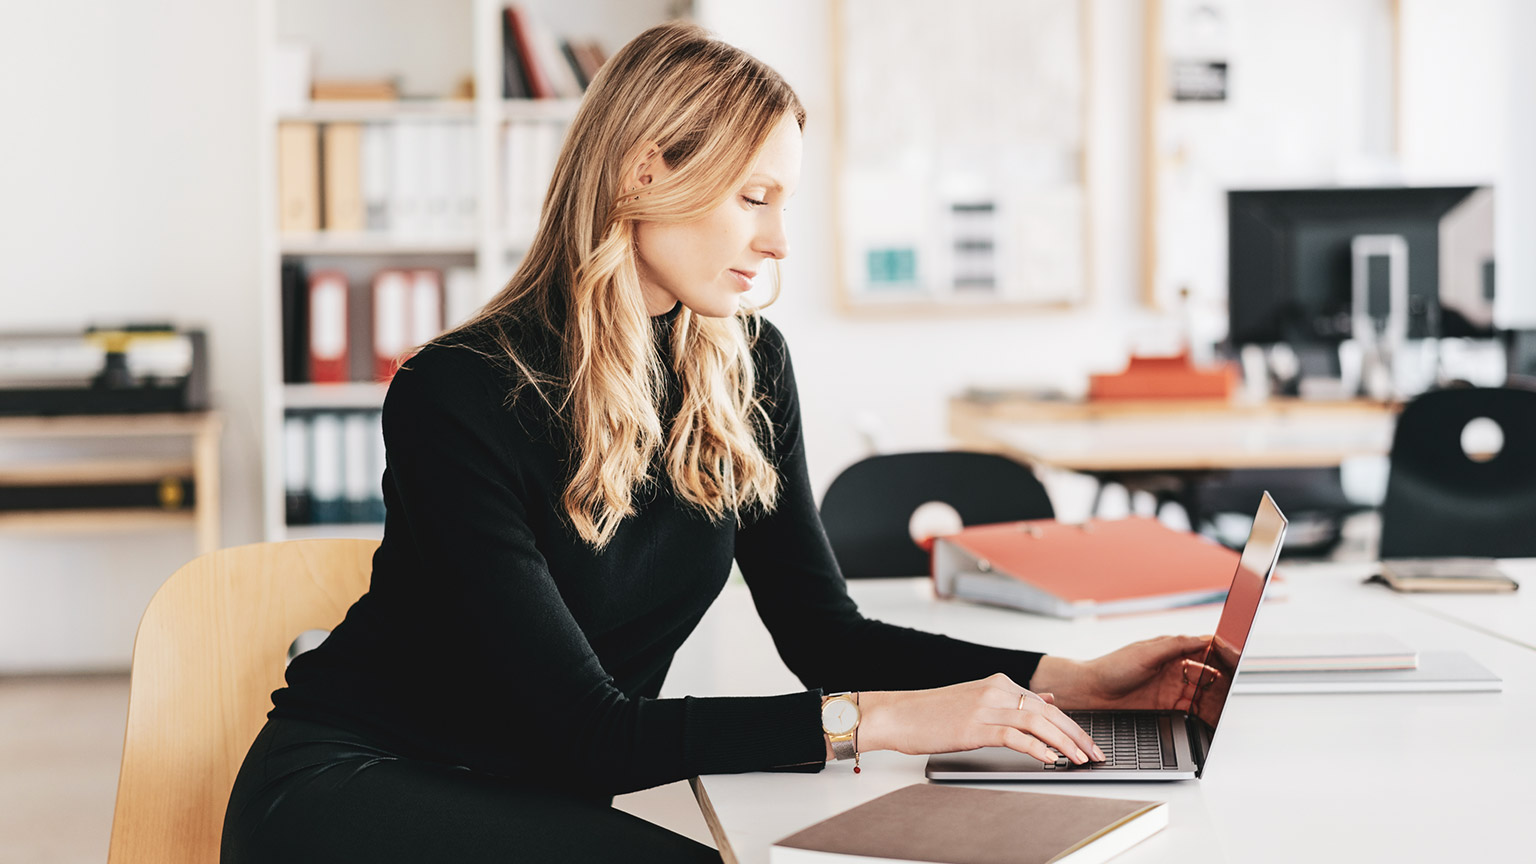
pixel 210 649
pixel 1440 502
pixel 868 508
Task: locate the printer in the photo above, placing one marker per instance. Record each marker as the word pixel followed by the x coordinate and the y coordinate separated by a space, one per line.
pixel 130 369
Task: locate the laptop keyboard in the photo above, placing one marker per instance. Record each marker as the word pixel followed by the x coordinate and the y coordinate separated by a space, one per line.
pixel 1129 741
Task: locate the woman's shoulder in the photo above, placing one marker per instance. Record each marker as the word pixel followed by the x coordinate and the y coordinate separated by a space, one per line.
pixel 467 365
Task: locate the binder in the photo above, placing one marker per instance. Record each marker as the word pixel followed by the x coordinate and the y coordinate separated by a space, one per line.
pixel 326 479
pixel 407 180
pixel 1101 567
pixel 296 470
pixel 461 294
pixel 426 306
pixel 298 176
pixel 437 181
pixel 376 147
pixel 466 174
pixel 391 321
pixel 295 302
pixel 357 466
pixel 342 153
pixel 328 327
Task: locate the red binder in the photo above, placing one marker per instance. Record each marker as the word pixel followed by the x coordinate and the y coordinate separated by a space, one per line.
pixel 391 321
pixel 1101 567
pixel 328 327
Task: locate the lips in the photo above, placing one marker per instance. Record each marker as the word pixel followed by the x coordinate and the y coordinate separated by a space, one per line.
pixel 744 278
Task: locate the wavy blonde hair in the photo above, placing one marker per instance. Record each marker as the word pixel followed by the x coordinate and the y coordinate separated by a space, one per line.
pixel 708 107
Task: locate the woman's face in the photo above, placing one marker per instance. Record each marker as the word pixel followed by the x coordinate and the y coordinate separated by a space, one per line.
pixel 710 263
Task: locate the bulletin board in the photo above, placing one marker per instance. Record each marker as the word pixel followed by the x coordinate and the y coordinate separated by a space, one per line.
pixel 961 154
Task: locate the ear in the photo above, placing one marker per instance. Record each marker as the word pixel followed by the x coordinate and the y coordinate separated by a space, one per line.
pixel 648 168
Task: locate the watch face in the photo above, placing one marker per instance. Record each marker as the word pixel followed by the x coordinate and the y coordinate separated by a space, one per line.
pixel 839 716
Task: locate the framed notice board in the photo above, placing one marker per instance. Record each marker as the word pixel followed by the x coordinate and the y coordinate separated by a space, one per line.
pixel 961 167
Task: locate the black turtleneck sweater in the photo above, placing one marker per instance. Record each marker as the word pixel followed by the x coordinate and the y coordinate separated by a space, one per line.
pixel 494 638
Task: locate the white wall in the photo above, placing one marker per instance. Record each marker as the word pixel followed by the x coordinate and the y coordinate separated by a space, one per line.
pixel 127 172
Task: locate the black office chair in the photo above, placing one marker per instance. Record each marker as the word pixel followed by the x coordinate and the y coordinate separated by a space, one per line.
pixel 868 508
pixel 1440 502
pixel 1313 499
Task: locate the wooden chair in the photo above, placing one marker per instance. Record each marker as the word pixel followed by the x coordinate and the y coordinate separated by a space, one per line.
pixel 211 648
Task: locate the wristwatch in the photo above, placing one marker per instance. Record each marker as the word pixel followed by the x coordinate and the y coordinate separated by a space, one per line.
pixel 840 720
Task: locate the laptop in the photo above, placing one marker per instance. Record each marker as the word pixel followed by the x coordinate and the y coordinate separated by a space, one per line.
pixel 1152 745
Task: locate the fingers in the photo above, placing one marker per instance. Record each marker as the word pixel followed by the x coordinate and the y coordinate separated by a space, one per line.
pixel 1048 725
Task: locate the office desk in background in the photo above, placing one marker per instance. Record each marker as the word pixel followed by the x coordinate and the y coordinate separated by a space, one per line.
pixel 1173 435
pixel 1425 777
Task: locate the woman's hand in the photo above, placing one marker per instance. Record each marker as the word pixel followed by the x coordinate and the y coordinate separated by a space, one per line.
pixel 1159 674
pixel 992 712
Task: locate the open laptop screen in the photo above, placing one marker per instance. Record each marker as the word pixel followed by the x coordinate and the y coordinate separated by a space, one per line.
pixel 1226 649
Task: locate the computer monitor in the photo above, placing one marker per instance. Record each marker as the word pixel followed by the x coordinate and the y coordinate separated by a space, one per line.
pixel 1291 266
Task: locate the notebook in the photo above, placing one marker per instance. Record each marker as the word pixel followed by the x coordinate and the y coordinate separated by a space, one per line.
pixel 955 825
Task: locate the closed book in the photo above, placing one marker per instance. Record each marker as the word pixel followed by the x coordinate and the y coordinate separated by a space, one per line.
pixel 342 170
pixel 1322 652
pixel 514 84
pixel 298 176
pixel 1476 575
pixel 1102 567
pixel 959 825
pixel 1437 671
pixel 523 37
pixel 328 363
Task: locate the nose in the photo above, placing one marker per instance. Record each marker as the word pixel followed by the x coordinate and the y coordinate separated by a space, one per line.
pixel 771 241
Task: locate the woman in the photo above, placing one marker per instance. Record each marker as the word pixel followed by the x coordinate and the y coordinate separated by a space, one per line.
pixel 570 475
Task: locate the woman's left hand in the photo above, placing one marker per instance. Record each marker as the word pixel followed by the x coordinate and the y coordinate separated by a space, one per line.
pixel 1158 674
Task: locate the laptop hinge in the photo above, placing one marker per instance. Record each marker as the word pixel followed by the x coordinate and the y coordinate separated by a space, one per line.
pixel 1199 741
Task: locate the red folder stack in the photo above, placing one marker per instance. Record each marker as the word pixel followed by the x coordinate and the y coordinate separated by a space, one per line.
pixel 1102 567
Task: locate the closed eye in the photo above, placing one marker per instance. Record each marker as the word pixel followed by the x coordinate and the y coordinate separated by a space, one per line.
pixel 753 201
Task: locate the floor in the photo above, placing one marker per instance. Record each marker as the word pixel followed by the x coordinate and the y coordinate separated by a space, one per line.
pixel 61 739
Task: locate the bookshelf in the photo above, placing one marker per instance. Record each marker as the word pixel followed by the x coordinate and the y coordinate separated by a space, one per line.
pixel 427 47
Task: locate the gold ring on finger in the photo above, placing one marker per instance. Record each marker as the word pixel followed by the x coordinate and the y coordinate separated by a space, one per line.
pixel 1021 702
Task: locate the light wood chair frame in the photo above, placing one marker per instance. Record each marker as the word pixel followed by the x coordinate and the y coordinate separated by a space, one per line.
pixel 210 649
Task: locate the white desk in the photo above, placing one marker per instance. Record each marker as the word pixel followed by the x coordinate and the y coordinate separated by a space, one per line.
pixel 1413 777
pixel 1509 616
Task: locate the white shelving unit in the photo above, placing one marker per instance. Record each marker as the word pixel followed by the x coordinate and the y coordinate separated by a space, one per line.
pixel 371 37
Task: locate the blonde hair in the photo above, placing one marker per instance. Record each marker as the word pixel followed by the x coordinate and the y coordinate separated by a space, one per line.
pixel 709 107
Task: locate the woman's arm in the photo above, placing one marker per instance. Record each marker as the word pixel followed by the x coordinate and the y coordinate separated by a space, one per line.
pixel 457 462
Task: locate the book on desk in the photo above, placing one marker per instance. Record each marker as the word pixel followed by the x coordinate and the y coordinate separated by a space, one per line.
pixel 1100 567
pixel 957 825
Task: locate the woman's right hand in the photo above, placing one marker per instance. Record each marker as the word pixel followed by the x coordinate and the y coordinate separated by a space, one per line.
pixel 985 713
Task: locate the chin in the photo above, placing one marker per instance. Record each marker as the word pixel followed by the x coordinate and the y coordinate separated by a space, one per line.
pixel 713 308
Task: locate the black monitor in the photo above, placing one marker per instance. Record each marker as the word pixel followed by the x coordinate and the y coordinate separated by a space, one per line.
pixel 1290 261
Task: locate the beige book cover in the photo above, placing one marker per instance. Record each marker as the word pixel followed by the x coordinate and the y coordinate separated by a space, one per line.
pixel 959 825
